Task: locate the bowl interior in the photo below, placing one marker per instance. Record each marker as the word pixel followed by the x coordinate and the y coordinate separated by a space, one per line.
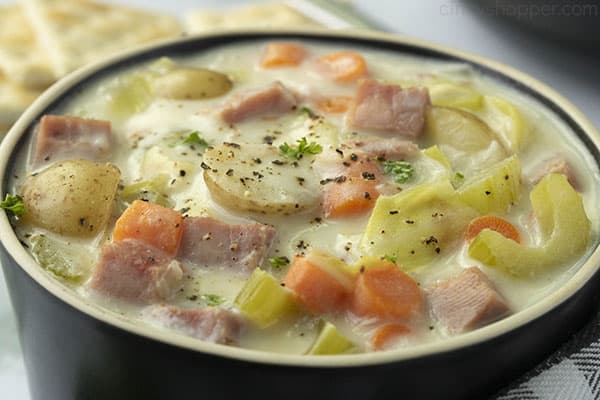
pixel 74 83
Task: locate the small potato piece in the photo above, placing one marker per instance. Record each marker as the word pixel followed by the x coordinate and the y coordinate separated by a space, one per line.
pixel 191 84
pixel 72 197
pixel 255 177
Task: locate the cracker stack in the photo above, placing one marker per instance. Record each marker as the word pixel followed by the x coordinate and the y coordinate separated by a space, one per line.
pixel 43 40
pixel 265 16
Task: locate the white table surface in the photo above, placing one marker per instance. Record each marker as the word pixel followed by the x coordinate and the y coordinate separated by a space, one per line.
pixel 573 73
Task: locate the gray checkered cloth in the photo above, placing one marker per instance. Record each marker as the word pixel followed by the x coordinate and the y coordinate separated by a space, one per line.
pixel 570 373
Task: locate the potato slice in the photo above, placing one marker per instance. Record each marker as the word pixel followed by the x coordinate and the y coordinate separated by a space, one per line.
pixel 466 141
pixel 72 197
pixel 257 178
pixel 191 84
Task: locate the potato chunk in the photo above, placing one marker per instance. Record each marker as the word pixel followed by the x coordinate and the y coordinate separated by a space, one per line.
pixel 256 177
pixel 191 84
pixel 72 197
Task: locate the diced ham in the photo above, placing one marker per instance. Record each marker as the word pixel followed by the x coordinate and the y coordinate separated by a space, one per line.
pixel 212 324
pixel 209 242
pixel 59 136
pixel 271 100
pixel 389 108
pixel 466 301
pixel 384 149
pixel 135 271
pixel 554 165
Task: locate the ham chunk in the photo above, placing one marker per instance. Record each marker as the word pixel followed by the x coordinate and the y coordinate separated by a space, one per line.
pixel 554 165
pixel 389 108
pixel 58 137
pixel 212 324
pixel 134 271
pixel 384 149
pixel 208 242
pixel 466 301
pixel 271 100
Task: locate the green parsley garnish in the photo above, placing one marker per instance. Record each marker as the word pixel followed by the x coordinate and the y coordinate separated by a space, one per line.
pixel 13 204
pixel 212 299
pixel 459 176
pixel 389 258
pixel 309 112
pixel 303 147
pixel 187 137
pixel 278 262
pixel 402 171
pixel 194 138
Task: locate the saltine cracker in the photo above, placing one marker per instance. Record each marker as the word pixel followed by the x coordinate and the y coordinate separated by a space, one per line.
pixel 14 99
pixel 77 32
pixel 21 58
pixel 269 15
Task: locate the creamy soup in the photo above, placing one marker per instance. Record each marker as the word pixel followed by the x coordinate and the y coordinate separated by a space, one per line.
pixel 305 198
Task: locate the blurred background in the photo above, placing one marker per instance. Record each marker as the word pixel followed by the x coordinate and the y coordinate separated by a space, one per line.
pixel 557 42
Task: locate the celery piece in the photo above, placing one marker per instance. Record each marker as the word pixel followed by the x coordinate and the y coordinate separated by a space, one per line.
pixel 454 95
pixel 564 226
pixel 436 154
pixel 153 190
pixel 128 94
pixel 329 341
pixel 506 120
pixel 416 225
pixel 495 189
pixel 161 66
pixel 264 301
pixel 333 266
pixel 65 260
pixel 132 92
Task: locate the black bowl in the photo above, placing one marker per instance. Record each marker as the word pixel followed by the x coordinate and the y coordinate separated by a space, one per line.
pixel 77 350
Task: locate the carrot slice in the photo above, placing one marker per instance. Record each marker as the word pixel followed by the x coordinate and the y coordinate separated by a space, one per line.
pixel 354 194
pixel 383 291
pixel 386 334
pixel 316 288
pixel 156 225
pixel 334 105
pixel 343 66
pixel 492 222
pixel 353 197
pixel 282 55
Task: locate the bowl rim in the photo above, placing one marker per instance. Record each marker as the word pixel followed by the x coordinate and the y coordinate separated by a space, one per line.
pixel 556 102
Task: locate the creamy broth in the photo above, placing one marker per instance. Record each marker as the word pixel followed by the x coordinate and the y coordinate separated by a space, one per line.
pixel 145 146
